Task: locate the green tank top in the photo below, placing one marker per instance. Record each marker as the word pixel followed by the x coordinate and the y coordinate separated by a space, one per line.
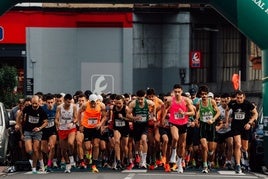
pixel 143 112
pixel 206 112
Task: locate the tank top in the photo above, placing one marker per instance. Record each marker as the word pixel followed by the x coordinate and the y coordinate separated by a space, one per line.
pixel 118 122
pixel 51 113
pixel 66 118
pixel 92 116
pixel 206 112
pixel 175 116
pixel 143 112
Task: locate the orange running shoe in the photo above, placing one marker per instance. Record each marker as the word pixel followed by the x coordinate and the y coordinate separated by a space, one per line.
pixel 167 168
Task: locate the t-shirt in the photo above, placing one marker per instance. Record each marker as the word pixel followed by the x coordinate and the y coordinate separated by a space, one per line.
pixel 34 118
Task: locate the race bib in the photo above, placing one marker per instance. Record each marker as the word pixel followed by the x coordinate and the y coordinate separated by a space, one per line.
pixel 178 116
pixel 206 118
pixel 143 118
pixel 239 115
pixel 50 124
pixel 92 121
pixel 33 119
pixel 120 123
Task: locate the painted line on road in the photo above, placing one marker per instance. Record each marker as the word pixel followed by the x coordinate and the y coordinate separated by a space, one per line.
pixel 130 176
pixel 200 175
pixel 222 172
pixel 134 171
pixel 38 172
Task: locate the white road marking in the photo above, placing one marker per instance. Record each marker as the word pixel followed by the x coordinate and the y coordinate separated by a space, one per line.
pixel 134 171
pixel 38 173
pixel 130 176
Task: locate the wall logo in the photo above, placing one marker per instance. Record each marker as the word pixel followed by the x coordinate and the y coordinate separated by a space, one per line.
pixel 102 83
pixel 195 59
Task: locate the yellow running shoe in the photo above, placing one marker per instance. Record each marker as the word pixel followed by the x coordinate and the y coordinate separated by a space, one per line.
pixel 94 169
pixel 174 167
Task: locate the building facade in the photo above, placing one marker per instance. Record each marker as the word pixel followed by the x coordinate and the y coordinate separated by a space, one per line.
pixel 123 49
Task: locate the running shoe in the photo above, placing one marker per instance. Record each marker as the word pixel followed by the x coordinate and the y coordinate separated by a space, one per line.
pixel 131 165
pixel 94 169
pixel 180 169
pixel 68 168
pixel 205 170
pixel 174 167
pixel 137 159
pixel 82 165
pixel 167 167
pixel 238 169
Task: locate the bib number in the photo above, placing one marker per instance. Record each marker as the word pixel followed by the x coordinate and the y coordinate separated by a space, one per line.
pixel 50 124
pixel 120 123
pixel 207 118
pixel 92 121
pixel 239 116
pixel 178 116
pixel 33 119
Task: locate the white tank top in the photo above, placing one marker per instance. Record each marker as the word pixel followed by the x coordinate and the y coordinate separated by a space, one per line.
pixel 66 118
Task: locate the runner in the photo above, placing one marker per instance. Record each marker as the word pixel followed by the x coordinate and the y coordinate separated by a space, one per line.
pixel 243 115
pixel 33 119
pixel 66 118
pixel 90 124
pixel 180 108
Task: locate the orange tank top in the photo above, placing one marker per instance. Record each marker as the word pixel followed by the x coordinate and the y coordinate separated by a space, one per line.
pixel 91 116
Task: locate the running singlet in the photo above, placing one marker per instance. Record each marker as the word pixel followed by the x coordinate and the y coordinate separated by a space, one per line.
pixel 176 117
pixel 143 112
pixel 206 112
pixel 118 122
pixel 51 113
pixel 222 118
pixel 66 118
pixel 92 116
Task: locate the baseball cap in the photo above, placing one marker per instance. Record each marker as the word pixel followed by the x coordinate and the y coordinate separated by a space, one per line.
pixel 93 97
pixel 210 94
pixel 100 97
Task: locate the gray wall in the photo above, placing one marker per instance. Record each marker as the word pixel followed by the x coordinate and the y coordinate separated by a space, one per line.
pixel 160 49
pixel 70 59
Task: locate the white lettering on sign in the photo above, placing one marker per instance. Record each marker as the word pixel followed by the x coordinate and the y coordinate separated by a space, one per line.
pixel 261 5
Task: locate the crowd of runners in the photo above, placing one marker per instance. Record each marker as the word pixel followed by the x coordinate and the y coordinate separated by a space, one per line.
pixel 175 131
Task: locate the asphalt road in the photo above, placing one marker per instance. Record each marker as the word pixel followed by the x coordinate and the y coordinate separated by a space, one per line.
pixel 130 174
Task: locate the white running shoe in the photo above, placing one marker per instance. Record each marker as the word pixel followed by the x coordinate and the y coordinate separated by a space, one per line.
pixel 180 169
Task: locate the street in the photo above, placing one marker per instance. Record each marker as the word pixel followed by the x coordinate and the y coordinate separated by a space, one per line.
pixel 131 174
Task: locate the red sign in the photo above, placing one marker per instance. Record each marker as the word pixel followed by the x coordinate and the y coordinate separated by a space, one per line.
pixel 195 59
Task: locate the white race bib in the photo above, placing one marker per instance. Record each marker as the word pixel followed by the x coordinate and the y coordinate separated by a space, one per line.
pixel 239 115
pixel 33 119
pixel 92 121
pixel 178 116
pixel 50 124
pixel 119 123
pixel 143 118
pixel 206 118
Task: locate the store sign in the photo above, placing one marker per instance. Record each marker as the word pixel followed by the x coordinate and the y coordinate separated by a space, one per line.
pixel 29 86
pixel 195 59
pixel 1 33
pixel 102 83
